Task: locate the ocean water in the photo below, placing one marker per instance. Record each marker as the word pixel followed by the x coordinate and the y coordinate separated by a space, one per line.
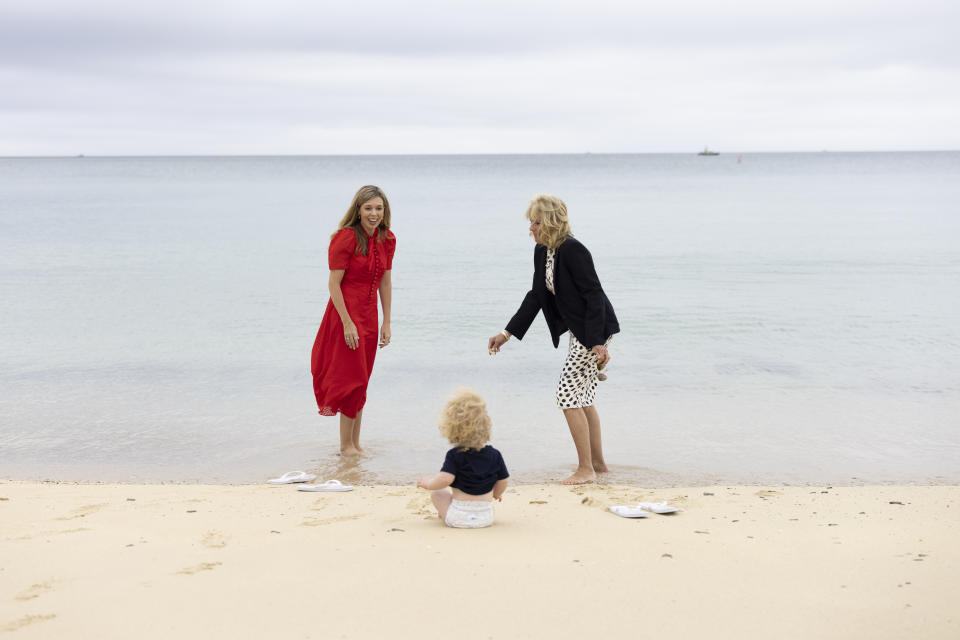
pixel 785 317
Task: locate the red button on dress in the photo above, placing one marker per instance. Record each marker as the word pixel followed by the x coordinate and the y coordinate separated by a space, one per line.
pixel 341 374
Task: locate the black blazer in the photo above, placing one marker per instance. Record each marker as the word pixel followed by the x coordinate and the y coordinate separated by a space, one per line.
pixel 579 303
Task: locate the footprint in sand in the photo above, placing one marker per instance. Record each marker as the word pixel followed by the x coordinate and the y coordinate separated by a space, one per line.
pixel 622 497
pixel 214 540
pixel 203 566
pixel 85 510
pixel 601 497
pixel 35 591
pixel 767 493
pixel 26 621
pixel 601 502
pixel 324 521
pixel 41 534
pixel 421 505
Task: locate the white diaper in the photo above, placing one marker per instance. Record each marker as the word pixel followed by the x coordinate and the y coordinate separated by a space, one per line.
pixel 469 514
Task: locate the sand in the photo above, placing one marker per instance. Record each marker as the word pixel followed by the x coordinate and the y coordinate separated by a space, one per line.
pixel 191 561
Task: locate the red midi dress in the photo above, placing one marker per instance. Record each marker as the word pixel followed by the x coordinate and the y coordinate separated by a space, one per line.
pixel 341 374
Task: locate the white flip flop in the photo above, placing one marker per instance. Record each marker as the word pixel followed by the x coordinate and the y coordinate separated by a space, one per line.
pixel 657 507
pixel 292 476
pixel 329 485
pixel 629 512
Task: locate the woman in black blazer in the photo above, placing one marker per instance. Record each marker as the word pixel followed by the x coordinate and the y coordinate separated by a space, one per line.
pixel 566 288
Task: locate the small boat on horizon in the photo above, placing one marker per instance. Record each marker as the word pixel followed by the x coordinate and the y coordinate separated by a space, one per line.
pixel 706 152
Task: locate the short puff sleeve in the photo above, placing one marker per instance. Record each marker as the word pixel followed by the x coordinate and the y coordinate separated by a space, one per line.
pixel 450 462
pixel 502 472
pixel 390 246
pixel 342 247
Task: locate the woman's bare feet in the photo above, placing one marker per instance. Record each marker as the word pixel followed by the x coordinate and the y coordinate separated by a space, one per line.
pixel 600 467
pixel 351 451
pixel 580 477
pixel 361 451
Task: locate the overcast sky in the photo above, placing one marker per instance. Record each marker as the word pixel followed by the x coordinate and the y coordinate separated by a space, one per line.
pixel 282 77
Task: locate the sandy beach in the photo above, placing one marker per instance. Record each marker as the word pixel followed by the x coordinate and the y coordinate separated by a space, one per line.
pixel 196 561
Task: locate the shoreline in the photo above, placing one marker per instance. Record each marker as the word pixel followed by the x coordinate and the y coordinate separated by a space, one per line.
pixel 110 560
pixel 646 479
pixel 359 473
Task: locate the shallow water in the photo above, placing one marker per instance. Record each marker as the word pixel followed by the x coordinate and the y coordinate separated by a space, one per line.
pixel 793 317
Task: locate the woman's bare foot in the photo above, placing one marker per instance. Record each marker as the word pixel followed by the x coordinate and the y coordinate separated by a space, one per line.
pixel 363 453
pixel 351 451
pixel 600 467
pixel 580 477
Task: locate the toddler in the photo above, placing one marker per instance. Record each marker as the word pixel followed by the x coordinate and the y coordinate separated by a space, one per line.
pixel 473 470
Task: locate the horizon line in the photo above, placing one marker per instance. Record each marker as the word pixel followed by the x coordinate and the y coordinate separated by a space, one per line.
pixel 490 153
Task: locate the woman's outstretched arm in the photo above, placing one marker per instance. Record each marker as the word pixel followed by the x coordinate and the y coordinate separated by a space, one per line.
pixel 518 324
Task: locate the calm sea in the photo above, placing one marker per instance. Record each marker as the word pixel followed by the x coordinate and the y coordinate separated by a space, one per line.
pixel 785 317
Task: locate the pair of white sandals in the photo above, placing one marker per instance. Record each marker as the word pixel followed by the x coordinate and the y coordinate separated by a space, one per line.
pixel 293 477
pixel 643 509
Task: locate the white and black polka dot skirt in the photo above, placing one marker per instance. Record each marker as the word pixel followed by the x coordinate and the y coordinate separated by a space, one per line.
pixel 578 382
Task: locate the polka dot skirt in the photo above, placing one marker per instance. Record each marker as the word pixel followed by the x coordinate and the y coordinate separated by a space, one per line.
pixel 578 382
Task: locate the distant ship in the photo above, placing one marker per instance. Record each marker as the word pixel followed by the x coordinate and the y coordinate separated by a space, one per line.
pixel 707 152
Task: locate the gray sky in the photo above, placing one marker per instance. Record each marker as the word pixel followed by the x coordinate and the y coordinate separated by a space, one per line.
pixel 284 77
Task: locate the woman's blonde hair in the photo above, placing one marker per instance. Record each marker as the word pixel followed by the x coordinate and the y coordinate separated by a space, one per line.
pixel 552 214
pixel 464 421
pixel 351 219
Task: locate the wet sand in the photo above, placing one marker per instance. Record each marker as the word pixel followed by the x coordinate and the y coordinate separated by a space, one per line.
pixel 257 561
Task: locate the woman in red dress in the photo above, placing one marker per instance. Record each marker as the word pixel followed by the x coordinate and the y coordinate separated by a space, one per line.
pixel 360 259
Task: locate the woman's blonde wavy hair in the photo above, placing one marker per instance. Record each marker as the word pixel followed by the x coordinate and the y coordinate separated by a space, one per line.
pixel 351 219
pixel 464 420
pixel 552 214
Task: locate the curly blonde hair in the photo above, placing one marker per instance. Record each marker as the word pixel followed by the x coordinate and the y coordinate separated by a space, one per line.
pixel 464 420
pixel 551 212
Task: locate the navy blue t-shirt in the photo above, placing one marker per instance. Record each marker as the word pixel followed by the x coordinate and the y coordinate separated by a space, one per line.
pixel 476 471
